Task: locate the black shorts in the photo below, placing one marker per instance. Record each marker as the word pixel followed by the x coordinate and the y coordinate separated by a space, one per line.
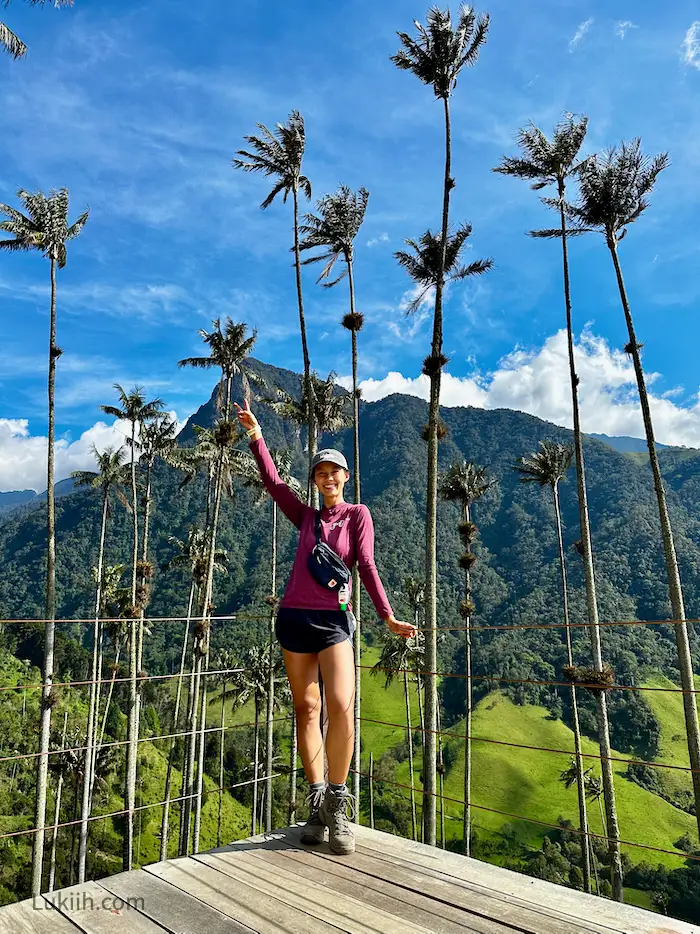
pixel 312 631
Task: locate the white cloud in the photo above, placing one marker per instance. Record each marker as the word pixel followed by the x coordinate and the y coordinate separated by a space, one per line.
pixel 381 238
pixel 580 33
pixel 623 26
pixel 537 382
pixel 23 455
pixel 690 50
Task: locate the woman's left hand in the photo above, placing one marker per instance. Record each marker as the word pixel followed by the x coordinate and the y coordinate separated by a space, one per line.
pixel 407 630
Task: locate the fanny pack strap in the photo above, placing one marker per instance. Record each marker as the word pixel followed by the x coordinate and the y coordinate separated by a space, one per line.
pixel 317 525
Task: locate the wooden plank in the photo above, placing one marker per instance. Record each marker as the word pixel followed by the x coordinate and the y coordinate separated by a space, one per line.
pixel 620 918
pixel 34 917
pixel 339 877
pixel 243 901
pixel 348 914
pixel 175 910
pixel 94 910
pixel 477 901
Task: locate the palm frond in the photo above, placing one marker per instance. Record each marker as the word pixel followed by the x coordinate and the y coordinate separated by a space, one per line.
pixel 11 43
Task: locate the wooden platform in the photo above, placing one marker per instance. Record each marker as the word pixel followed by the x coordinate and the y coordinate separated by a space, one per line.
pixel 274 885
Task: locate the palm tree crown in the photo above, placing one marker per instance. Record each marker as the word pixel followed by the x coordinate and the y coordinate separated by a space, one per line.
pixel 111 470
pixel 440 50
pixel 548 465
pixel 330 406
pixel 157 438
pixel 465 483
pixel 424 263
pixel 546 162
pixel 279 155
pixel 133 406
pixel 334 229
pixel 192 555
pixel 613 189
pixel 44 226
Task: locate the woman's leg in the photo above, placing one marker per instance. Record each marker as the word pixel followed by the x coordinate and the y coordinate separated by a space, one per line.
pixel 338 671
pixel 302 672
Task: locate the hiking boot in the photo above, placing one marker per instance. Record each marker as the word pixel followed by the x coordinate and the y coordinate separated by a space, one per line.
pixel 314 831
pixel 334 814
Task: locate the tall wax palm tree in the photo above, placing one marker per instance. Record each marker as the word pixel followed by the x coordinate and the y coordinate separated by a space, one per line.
pixel 10 42
pixel 547 162
pixel 279 155
pixel 613 193
pixel 110 475
pixel 548 467
pixel 192 556
pixel 400 656
pixel 465 484
pixel 333 231
pixel 229 349
pixel 574 776
pixel 251 477
pixel 431 261
pixel 436 56
pixel 44 226
pixel 134 409
pixel 115 600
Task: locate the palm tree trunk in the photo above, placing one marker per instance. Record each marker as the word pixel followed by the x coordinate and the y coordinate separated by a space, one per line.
pixel 312 493
pixel 57 812
pixel 88 777
pixel 431 699
pixel 441 770
pixel 467 812
pixel 580 785
pixel 49 624
pixel 222 733
pixel 269 740
pixel 256 761
pixel 200 757
pixel 133 720
pixel 293 770
pixel 675 592
pixel 421 720
pixel 357 765
pixel 409 729
pixel 109 696
pixel 371 790
pixel 165 820
pixel 613 832
pixel 188 766
pixel 206 636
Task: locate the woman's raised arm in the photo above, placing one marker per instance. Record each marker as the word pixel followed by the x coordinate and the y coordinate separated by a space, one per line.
pixel 285 498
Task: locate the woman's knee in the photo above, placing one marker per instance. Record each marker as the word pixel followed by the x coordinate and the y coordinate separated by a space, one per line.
pixel 341 705
pixel 307 707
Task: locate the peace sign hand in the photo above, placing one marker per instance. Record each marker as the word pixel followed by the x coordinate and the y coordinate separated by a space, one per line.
pixel 245 416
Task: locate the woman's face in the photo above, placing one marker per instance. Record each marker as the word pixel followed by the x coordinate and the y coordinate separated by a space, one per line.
pixel 330 479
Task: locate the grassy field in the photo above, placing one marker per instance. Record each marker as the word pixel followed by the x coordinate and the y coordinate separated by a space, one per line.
pixel 673 748
pixel 525 783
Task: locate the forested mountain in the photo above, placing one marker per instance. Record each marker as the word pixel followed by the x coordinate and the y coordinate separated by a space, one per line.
pixel 515 583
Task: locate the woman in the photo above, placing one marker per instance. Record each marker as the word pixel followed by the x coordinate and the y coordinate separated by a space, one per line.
pixel 315 632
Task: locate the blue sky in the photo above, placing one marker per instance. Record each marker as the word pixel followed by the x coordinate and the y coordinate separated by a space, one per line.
pixel 138 108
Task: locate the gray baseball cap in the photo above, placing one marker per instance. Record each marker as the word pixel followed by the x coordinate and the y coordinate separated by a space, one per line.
pixel 330 455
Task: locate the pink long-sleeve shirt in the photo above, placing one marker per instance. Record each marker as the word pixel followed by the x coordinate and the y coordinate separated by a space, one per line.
pixel 347 528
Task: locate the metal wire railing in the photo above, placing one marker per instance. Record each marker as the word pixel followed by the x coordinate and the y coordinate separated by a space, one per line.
pixel 490 679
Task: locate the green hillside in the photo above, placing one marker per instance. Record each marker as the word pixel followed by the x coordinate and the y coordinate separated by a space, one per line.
pixel 525 782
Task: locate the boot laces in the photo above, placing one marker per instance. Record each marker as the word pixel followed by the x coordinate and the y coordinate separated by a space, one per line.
pixel 314 800
pixel 342 808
